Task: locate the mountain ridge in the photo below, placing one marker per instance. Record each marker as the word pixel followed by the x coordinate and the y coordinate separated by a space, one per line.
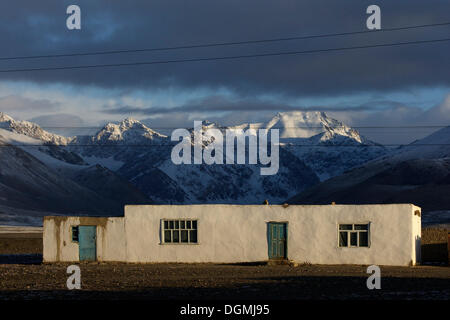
pixel 141 156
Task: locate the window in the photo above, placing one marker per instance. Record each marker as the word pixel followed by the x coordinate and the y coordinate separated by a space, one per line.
pixel 180 231
pixel 75 234
pixel 354 235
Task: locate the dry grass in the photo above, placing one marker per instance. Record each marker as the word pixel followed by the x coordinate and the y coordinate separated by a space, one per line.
pixel 434 235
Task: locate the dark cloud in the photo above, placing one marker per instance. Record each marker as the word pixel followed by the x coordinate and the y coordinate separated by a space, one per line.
pixel 59 120
pixel 213 104
pixel 63 124
pixel 38 27
pixel 397 122
pixel 387 122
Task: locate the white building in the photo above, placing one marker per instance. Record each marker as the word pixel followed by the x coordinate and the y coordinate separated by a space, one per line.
pixel 323 234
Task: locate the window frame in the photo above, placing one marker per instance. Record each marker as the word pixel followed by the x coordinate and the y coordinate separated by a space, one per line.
pixel 163 229
pixel 78 233
pixel 353 230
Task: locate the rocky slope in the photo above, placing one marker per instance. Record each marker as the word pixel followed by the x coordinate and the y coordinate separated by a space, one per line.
pixel 29 189
pixel 418 173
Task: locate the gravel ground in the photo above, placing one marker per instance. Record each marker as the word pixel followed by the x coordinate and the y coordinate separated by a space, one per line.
pixel 214 281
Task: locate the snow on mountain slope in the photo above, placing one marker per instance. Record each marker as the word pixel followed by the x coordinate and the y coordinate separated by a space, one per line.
pixel 326 145
pixel 27 183
pixel 127 131
pixel 312 145
pixel 436 145
pixel 302 125
pixel 240 183
pixel 120 142
pixel 145 155
pixel 299 124
pixel 41 143
pixel 31 130
pixel 306 135
pixel 39 150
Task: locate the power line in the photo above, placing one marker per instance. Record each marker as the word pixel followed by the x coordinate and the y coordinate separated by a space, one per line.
pixel 74 146
pixel 224 57
pixel 219 44
pixel 299 127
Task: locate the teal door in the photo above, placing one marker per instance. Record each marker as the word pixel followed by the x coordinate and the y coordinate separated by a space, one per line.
pixel 277 240
pixel 87 239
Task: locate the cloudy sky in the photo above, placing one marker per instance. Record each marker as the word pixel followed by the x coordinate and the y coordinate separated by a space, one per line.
pixel 377 87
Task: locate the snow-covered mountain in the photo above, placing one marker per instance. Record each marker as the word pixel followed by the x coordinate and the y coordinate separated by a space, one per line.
pixel 42 144
pixel 304 125
pixel 326 145
pixel 118 142
pixel 32 130
pixel 312 146
pixel 237 183
pixel 144 155
pixel 128 131
pixel 310 140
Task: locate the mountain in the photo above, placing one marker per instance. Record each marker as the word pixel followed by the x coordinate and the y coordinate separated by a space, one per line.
pixel 128 131
pixel 298 124
pixel 109 185
pixel 34 182
pixel 423 182
pixel 312 145
pixel 44 173
pixel 39 141
pixel 434 146
pixel 31 130
pixel 202 183
pixel 418 173
pixel 132 160
pixel 116 144
pixel 145 158
pixel 326 145
pixel 29 189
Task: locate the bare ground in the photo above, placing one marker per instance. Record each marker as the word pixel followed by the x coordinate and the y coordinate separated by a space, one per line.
pixel 20 240
pixel 214 281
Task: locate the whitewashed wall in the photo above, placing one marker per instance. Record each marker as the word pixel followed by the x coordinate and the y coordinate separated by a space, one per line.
pixel 234 233
pixel 238 233
pixel 58 245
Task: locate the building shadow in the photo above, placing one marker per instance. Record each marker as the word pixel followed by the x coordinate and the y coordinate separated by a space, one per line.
pixel 434 253
pixel 264 288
